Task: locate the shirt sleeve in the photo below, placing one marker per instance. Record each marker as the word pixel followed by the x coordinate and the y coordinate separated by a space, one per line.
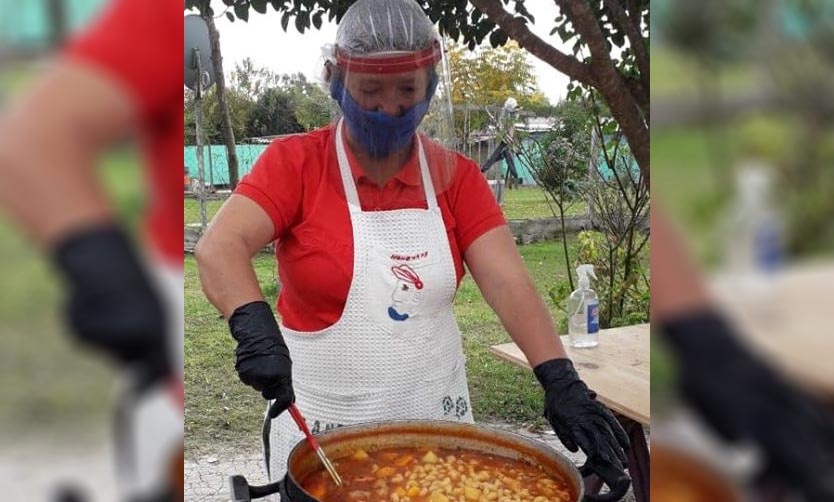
pixel 138 44
pixel 473 204
pixel 274 183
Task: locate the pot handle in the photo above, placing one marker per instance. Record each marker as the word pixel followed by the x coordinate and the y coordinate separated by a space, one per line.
pixel 242 491
pixel 618 485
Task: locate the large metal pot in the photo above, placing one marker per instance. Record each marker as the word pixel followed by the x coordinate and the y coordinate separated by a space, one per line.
pixel 676 472
pixel 344 441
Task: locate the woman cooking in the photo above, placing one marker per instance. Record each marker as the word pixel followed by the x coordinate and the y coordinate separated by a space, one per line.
pixel 373 224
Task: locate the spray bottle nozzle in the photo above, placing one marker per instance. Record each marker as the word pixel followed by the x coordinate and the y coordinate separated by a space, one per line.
pixel 584 271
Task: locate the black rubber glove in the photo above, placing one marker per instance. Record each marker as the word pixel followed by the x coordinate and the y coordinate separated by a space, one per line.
pixel 578 419
pixel 262 358
pixel 744 399
pixel 112 305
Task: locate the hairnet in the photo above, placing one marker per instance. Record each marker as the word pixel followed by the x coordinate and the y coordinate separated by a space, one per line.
pixel 378 26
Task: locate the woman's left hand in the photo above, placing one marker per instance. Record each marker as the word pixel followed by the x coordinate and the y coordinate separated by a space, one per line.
pixel 579 420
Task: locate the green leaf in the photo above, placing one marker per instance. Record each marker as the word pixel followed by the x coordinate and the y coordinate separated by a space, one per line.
pixel 317 19
pixel 302 21
pixel 493 39
pixel 498 38
pixel 230 17
pixel 259 6
pixel 285 21
pixel 503 37
pixel 242 11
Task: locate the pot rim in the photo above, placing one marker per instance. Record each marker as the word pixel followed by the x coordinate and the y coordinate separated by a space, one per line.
pixel 513 440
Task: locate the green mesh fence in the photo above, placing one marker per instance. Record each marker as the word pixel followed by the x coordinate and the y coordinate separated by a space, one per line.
pixel 216 163
pixel 27 24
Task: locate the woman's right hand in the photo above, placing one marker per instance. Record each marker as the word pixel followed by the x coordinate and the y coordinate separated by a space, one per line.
pixel 743 398
pixel 262 359
pixel 580 421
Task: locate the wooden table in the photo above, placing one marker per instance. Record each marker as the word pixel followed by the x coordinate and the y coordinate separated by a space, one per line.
pixel 618 371
pixel 789 320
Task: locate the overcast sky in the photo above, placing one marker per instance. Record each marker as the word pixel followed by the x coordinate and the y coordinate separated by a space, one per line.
pixel 263 40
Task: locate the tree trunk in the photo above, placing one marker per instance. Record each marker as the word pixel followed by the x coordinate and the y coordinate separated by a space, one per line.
pixel 225 120
pixel 628 116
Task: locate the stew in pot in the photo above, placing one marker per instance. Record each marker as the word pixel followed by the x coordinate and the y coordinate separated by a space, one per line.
pixel 435 475
pixel 677 477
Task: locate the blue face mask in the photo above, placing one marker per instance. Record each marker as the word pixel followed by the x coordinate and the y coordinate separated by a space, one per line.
pixel 381 134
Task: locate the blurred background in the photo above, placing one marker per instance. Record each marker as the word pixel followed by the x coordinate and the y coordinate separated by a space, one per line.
pixel 54 397
pixel 743 160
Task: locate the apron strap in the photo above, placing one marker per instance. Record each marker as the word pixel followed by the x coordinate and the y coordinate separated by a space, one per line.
pixel 347 177
pixel 431 197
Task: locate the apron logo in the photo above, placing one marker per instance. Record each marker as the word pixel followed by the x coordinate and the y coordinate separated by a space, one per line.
pixel 461 407
pixel 458 407
pixel 409 257
pixel 448 405
pixel 406 293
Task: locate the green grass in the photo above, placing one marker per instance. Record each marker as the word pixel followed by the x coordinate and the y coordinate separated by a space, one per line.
pixel 192 210
pixel 45 380
pixel 219 410
pixel 222 412
pixel 519 204
pixel 677 74
pixel 13 78
pixel 501 391
pixel 531 202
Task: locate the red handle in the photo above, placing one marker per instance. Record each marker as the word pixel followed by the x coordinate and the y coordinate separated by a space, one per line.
pixel 302 424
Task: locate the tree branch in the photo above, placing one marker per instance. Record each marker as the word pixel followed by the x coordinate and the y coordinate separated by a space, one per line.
pixel 518 31
pixel 634 12
pixel 610 83
pixel 633 33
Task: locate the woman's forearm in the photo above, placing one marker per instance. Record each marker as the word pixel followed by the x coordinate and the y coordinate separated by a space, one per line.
pixel 678 289
pixel 226 273
pixel 499 271
pixel 527 320
pixel 50 141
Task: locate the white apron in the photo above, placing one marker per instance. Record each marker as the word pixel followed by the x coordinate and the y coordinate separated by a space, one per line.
pixel 396 352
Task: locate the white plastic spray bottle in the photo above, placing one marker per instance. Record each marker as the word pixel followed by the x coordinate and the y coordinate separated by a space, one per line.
pixel 583 311
pixel 754 233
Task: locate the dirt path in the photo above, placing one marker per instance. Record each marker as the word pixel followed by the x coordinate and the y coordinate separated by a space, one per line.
pixel 32 470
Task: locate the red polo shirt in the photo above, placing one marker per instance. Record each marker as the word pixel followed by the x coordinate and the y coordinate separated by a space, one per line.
pixel 137 44
pixel 297 183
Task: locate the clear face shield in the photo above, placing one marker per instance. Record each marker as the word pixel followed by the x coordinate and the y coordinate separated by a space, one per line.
pixel 386 100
